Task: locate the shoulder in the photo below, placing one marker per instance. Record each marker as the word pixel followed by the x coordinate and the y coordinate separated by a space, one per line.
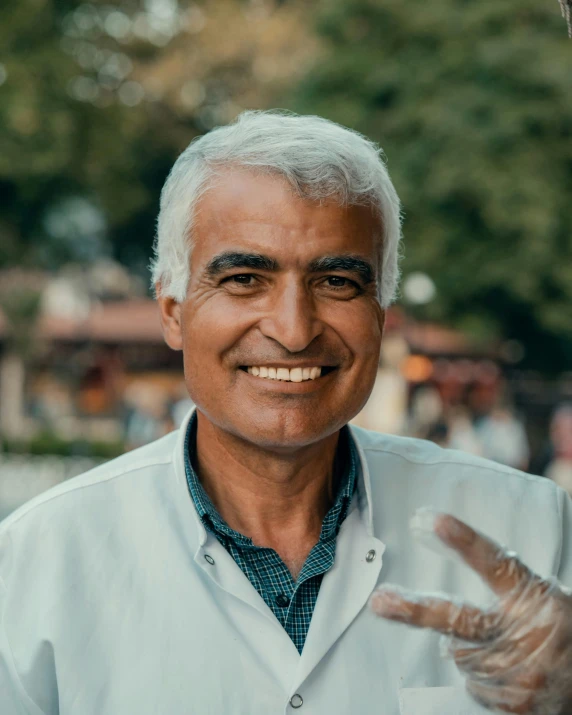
pixel 96 485
pixel 528 514
pixel 404 467
pixel 406 474
pixel 422 457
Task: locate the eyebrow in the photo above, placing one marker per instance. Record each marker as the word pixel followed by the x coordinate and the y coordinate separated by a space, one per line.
pixel 346 262
pixel 350 263
pixel 235 259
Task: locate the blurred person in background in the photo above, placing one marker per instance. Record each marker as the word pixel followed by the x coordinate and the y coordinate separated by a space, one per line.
pixel 147 417
pixel 462 433
pixel 426 409
pixel 559 468
pixel 438 433
pixel 503 437
pixel 227 567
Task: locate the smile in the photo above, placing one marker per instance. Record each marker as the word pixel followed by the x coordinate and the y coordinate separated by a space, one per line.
pixel 295 374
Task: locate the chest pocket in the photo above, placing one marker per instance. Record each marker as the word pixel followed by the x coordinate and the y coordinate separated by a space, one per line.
pixel 438 701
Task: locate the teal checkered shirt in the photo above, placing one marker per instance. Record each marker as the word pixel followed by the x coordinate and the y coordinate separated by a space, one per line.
pixel 292 602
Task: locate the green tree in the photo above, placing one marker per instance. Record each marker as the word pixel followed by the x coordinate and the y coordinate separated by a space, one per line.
pixel 98 98
pixel 472 103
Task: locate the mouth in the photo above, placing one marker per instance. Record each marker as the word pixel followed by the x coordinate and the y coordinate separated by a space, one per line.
pixel 300 373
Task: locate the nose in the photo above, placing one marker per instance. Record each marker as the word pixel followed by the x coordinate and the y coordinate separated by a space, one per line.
pixel 291 319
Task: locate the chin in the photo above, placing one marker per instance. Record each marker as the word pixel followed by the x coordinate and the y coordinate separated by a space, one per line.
pixel 288 434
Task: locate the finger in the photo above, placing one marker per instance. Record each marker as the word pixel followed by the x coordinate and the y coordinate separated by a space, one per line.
pixel 530 680
pixel 500 569
pixel 506 656
pixel 510 699
pixel 499 668
pixel 423 611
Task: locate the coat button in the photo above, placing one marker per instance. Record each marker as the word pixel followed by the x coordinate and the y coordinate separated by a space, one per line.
pixel 370 556
pixel 296 701
pixel 209 559
pixel 282 600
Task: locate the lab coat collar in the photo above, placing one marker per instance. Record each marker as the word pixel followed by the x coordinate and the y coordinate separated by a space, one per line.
pixel 179 466
pixel 364 500
pixel 344 590
pixel 363 485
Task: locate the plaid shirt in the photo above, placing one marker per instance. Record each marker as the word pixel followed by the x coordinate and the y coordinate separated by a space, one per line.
pixel 291 601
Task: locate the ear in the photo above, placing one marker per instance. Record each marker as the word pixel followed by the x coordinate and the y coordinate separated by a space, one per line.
pixel 170 314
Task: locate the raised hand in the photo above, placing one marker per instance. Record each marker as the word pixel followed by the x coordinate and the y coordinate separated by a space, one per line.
pixel 516 655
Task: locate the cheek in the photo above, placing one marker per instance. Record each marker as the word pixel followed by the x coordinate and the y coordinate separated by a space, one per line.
pixel 209 331
pixel 361 330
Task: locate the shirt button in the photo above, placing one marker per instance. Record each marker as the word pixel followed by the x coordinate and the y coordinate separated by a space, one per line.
pixel 282 600
pixel 296 701
pixel 370 556
pixel 209 559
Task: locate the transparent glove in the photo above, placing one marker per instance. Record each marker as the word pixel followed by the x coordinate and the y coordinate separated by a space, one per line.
pixel 517 654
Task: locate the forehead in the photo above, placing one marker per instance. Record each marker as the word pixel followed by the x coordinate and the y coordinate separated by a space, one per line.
pixel 244 210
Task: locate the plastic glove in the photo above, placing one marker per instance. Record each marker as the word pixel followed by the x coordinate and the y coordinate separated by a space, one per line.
pixel 517 654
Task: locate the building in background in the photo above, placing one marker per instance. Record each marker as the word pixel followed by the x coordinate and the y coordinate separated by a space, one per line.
pixel 96 371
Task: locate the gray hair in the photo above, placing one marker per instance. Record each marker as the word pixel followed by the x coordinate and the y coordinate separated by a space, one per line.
pixel 320 160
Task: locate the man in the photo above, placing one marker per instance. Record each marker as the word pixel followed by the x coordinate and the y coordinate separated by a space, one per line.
pixel 227 567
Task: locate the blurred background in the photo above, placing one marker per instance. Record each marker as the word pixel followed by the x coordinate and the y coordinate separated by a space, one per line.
pixel 472 104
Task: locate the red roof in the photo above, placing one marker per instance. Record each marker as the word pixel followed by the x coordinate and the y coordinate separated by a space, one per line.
pixel 433 339
pixel 128 321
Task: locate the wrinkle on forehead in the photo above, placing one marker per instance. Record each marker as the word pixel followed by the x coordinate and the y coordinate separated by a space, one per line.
pixel 248 209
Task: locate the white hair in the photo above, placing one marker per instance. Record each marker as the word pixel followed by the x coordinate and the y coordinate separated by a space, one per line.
pixel 320 160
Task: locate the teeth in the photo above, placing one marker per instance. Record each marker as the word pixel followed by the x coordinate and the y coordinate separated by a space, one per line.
pixel 296 374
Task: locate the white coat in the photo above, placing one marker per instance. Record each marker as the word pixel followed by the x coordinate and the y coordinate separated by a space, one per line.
pixel 109 607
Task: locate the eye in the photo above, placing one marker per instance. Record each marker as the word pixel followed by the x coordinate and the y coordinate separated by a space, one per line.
pixel 243 279
pixel 337 281
pixel 242 283
pixel 340 283
pixel 339 287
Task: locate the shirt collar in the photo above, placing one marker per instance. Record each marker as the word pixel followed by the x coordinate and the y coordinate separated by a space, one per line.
pixel 213 522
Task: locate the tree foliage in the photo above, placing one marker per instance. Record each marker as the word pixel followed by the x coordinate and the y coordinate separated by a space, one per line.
pixel 472 103
pixel 98 98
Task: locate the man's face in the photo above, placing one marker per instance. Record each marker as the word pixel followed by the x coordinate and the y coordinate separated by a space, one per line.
pixel 278 282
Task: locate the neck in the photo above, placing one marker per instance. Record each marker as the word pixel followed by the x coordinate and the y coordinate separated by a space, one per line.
pixel 279 500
